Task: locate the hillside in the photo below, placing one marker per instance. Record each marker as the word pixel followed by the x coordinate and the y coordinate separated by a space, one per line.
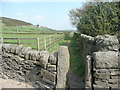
pixel 13 22
pixel 10 26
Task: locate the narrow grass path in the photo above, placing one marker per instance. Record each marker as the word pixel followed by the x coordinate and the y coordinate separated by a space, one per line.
pixel 76 71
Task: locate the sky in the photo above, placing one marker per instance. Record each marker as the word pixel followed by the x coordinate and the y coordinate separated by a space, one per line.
pixel 50 14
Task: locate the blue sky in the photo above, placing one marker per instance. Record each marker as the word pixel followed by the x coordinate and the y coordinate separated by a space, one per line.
pixel 51 14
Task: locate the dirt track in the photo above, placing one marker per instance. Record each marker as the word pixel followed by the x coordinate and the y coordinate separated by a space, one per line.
pixel 9 83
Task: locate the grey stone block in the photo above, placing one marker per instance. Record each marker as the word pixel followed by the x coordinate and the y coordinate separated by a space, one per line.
pixel 114 72
pixel 113 81
pixel 48 81
pixel 113 86
pixel 28 67
pixel 6 48
pixel 51 67
pixel 43 61
pixel 20 73
pixel 48 75
pixel 25 50
pixel 19 49
pixel 114 77
pixel 97 87
pixel 12 48
pixel 27 55
pixel 102 70
pixel 53 58
pixel 107 59
pixel 102 84
pixel 102 75
pixel 106 43
pixel 62 67
pixel 88 74
pixel 34 55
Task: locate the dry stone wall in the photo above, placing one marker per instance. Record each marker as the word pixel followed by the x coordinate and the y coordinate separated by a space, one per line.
pixel 39 68
pixel 102 60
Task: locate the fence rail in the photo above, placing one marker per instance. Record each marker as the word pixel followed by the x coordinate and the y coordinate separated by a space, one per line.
pixel 19 38
pixel 40 43
pixel 31 33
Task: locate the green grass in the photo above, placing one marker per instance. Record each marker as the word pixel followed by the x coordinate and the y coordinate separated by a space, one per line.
pixel 27 30
pixel 24 35
pixel 41 44
pixel 76 60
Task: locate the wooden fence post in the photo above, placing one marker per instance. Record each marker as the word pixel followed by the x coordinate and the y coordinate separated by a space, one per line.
pixel 58 39
pixel 18 41
pixel 49 42
pixel 45 43
pixel 1 40
pixel 38 46
pixel 54 40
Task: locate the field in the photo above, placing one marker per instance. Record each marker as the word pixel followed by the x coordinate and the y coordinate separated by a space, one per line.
pixel 38 38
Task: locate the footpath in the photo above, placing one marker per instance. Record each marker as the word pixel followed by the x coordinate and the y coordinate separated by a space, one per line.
pixel 74 80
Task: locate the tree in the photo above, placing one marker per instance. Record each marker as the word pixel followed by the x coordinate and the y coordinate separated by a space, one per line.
pixel 97 18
